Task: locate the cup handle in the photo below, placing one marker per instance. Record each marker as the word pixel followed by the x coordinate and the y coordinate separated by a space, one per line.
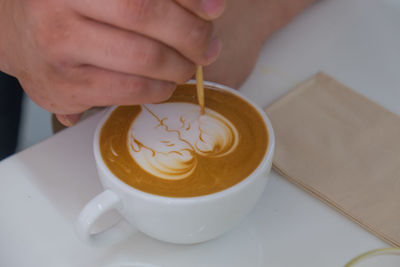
pixel 105 201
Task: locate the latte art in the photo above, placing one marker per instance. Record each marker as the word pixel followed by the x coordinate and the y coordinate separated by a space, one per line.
pixel 167 139
pixel 169 149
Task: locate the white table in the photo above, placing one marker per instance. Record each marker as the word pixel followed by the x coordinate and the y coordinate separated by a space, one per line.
pixel 43 188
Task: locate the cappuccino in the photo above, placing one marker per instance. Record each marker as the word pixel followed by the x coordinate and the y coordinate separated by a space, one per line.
pixel 170 149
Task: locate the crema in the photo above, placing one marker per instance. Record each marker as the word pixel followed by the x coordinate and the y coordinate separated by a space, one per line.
pixel 170 149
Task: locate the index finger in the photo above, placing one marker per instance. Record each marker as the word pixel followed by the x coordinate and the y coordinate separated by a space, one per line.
pixel 205 9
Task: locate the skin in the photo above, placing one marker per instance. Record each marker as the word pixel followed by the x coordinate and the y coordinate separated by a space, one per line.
pixel 71 55
pixel 243 28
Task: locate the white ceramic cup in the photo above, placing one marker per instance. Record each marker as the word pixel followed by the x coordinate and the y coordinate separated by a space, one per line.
pixel 183 220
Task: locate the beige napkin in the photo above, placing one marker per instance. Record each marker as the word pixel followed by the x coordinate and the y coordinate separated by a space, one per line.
pixel 342 148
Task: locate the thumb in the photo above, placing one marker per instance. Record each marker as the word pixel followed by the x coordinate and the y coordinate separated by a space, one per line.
pixel 68 119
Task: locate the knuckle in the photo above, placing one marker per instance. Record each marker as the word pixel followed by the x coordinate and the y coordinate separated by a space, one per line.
pixel 199 34
pixel 136 87
pixel 152 56
pixel 151 91
pixel 52 41
pixel 74 95
pixel 42 38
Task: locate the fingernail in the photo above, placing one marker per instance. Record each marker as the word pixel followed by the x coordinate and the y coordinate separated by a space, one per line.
pixel 213 50
pixel 69 120
pixel 213 8
pixel 73 118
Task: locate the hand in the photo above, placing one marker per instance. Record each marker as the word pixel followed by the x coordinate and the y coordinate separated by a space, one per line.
pixel 76 54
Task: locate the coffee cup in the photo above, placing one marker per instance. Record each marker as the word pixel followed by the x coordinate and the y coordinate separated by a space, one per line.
pixel 176 175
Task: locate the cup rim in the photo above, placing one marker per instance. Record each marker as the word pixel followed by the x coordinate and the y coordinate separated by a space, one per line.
pixel 266 160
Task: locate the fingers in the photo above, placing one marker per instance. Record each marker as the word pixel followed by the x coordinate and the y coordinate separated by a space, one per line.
pixel 105 88
pixel 110 88
pixel 68 120
pixel 163 20
pixel 206 9
pixel 99 87
pixel 122 51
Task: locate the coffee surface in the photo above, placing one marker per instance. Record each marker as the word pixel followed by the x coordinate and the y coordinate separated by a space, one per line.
pixel 169 149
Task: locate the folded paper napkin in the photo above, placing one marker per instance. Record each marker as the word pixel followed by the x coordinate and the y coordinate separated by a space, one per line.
pixel 342 148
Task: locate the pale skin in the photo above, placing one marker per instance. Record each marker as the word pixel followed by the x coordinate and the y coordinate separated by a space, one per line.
pixel 71 55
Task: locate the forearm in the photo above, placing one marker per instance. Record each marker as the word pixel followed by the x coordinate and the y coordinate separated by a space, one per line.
pixel 280 12
pixel 259 18
pixel 243 28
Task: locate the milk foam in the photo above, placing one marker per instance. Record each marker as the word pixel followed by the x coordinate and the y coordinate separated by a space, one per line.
pixel 166 139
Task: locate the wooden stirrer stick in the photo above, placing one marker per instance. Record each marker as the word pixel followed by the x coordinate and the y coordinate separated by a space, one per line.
pixel 200 87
